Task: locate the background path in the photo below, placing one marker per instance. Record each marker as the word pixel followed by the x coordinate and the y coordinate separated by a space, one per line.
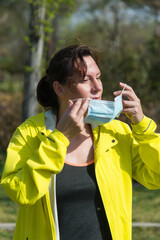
pixel 11 226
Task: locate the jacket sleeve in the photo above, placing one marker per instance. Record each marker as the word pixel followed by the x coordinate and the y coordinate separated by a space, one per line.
pixel 146 154
pixel 31 162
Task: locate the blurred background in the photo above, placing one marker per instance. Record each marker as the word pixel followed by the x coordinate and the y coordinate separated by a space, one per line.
pixel 125 33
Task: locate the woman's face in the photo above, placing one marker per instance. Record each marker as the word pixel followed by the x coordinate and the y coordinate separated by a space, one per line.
pixel 89 87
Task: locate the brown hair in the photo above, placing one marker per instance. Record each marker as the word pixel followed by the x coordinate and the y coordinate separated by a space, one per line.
pixel 63 65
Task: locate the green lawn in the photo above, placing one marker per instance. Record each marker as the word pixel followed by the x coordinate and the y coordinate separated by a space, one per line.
pixel 146 205
pixel 143 233
pixel 8 209
pixel 6 235
pixel 146 208
pixel 8 213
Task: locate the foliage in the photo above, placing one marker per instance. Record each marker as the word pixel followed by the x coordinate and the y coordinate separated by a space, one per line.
pixel 10 109
pixel 129 52
pixel 142 3
pixel 12 45
pixel 127 40
pixel 154 71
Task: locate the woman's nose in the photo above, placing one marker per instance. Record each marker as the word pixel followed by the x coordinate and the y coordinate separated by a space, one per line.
pixel 97 85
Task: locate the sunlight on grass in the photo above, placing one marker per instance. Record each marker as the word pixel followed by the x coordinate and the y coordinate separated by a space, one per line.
pixel 146 208
pixel 8 209
pixel 6 235
pixel 146 205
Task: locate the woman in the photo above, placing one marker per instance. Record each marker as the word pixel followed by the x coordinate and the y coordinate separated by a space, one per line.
pixel 73 180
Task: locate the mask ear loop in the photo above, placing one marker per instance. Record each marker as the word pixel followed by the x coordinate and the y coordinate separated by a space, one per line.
pixel 123 88
pixel 121 92
pixel 73 100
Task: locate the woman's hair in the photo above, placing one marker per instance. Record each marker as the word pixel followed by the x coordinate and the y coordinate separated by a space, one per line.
pixel 62 67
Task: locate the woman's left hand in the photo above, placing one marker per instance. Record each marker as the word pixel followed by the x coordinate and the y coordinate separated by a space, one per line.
pixel 131 107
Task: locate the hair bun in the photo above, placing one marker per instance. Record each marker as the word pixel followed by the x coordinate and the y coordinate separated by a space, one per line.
pixel 45 92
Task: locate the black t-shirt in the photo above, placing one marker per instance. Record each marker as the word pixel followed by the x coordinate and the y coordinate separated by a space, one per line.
pixel 81 212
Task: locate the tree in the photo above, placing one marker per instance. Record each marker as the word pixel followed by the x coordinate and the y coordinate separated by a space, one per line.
pixel 42 13
pixel 35 41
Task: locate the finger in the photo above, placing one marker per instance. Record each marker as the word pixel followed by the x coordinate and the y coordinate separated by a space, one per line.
pixel 132 106
pixel 128 103
pixel 129 90
pixel 122 84
pixel 76 106
pixel 83 108
pixel 132 111
pixel 125 93
pixel 72 109
pixel 130 95
pixel 70 102
pixel 126 86
pixel 117 93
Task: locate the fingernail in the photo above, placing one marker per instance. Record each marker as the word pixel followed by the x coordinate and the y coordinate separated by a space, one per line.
pixel 70 102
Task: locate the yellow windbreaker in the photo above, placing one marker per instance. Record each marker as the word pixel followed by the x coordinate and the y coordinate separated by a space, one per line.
pixel 36 154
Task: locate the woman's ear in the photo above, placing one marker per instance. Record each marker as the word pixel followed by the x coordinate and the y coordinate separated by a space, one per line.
pixel 58 88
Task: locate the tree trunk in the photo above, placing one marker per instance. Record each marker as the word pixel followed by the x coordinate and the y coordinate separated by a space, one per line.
pixel 35 53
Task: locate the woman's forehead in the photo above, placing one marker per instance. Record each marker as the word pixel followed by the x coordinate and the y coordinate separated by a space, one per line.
pixel 91 66
pixel 87 67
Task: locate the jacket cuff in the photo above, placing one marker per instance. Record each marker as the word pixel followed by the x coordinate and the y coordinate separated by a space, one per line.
pixel 147 125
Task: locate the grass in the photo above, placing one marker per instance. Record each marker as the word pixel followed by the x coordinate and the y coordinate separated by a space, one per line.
pixel 146 205
pixel 6 235
pixel 146 208
pixel 8 213
pixel 8 209
pixel 143 233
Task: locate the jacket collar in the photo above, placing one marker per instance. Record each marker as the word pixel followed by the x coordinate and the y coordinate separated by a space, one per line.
pixel 50 120
pixel 48 124
pixel 104 137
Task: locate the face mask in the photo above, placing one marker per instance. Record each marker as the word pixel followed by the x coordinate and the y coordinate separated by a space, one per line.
pixel 101 111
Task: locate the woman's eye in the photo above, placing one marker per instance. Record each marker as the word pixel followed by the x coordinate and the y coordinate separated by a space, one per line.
pixel 84 80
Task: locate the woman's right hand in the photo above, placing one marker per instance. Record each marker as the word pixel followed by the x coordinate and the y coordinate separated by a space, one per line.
pixel 71 123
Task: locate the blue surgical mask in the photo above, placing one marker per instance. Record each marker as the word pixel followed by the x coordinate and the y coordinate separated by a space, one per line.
pixel 101 111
